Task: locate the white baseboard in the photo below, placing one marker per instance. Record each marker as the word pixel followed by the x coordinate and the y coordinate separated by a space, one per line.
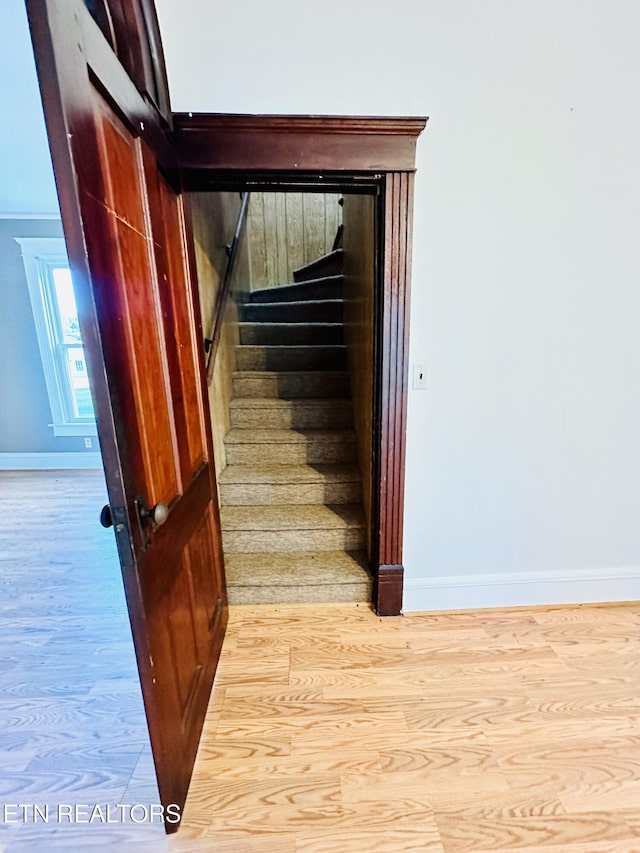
pixel 48 461
pixel 525 589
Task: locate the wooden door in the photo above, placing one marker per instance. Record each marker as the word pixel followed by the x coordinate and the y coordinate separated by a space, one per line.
pixel 132 264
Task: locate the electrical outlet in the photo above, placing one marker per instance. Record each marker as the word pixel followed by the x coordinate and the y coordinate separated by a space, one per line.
pixel 88 442
pixel 419 377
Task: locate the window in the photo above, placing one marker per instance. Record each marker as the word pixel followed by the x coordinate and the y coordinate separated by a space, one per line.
pixel 56 319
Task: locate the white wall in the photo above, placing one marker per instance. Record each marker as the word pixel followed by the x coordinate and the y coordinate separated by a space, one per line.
pixel 27 187
pixel 523 475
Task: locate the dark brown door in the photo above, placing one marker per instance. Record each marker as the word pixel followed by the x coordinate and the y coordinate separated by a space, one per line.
pixel 129 249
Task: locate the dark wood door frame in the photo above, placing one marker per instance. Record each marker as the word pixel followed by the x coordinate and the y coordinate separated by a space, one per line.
pixel 344 154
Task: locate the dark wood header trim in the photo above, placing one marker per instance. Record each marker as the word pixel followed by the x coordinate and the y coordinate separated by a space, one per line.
pixel 398 125
pixel 309 143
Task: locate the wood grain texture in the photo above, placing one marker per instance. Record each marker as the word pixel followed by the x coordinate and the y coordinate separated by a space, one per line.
pixel 159 322
pixel 73 728
pixel 295 142
pixel 288 230
pixel 393 375
pixel 359 321
pixel 134 317
pixel 213 220
pixel 132 31
pixel 139 315
pixel 184 339
pixel 512 730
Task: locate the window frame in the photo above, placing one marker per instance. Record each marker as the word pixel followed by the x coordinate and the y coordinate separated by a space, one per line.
pixel 40 256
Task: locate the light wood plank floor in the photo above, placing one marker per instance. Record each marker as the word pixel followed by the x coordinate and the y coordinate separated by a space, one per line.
pixel 72 723
pixel 510 730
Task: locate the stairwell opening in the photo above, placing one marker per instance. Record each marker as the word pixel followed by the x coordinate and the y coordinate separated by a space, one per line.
pixel 291 389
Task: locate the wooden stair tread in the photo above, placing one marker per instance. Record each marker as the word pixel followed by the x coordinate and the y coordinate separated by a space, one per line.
pixel 300 291
pixel 262 332
pixel 294 311
pixel 287 304
pixel 321 324
pixel 268 374
pixel 331 263
pixel 291 384
pixel 287 436
pixel 297 403
pixel 283 568
pixel 289 474
pixel 292 517
pixel 303 348
pixel 289 358
pixel 266 412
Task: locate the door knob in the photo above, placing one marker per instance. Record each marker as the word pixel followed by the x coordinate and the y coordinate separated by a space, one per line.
pixel 158 513
pixel 105 516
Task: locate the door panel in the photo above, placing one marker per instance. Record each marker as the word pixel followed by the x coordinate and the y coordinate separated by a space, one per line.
pixel 132 260
pixel 177 306
pixel 135 302
pixel 201 555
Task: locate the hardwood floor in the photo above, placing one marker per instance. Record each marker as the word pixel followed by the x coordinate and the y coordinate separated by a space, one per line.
pixel 329 729
pixel 510 730
pixel 72 724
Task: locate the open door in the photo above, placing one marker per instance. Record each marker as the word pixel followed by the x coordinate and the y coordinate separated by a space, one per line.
pixel 107 110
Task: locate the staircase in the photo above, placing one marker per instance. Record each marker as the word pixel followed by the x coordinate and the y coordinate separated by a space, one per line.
pixel 292 523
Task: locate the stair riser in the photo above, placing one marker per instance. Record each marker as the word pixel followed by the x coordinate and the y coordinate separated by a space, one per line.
pixel 311 418
pixel 293 312
pixel 290 358
pixel 328 287
pixel 250 541
pixel 290 334
pixel 250 494
pixel 293 386
pixel 289 454
pixel 305 594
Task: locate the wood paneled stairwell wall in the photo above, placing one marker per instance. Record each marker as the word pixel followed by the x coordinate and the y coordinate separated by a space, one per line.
pixel 288 230
pixel 214 216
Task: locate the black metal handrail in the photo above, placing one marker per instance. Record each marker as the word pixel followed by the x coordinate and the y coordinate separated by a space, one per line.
pixel 217 315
